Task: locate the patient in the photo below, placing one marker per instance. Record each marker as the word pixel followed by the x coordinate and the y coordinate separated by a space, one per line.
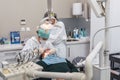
pixel 49 59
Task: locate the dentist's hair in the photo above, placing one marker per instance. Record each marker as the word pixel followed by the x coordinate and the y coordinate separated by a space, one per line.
pixel 51 14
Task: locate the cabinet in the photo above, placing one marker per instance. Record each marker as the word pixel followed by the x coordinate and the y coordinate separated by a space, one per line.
pixel 77 49
pixel 8 53
pixel 8 56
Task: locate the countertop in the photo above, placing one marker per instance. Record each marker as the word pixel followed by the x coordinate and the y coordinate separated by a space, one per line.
pixel 8 47
pixel 80 41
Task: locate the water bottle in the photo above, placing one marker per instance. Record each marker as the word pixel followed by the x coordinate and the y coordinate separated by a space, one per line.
pixel 81 33
pixel 84 32
pixel 76 33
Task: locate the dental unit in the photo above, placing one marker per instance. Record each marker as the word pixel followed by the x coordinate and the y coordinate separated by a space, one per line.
pixel 30 70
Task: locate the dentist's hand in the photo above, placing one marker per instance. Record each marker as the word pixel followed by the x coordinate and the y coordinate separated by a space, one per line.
pixel 41 50
pixel 46 53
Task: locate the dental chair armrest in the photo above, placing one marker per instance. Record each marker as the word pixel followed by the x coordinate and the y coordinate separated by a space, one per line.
pixel 89 60
pixel 80 64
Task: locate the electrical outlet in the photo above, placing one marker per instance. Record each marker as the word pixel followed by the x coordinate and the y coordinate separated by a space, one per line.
pixel 22 29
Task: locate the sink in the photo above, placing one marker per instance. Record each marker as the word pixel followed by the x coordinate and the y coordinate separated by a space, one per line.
pixel 72 39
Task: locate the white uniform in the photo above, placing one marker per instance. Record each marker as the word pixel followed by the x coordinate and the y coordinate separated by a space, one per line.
pixel 58 37
pixel 27 52
pixel 32 43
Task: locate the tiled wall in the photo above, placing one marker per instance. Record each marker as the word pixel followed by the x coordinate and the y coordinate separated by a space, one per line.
pixel 71 23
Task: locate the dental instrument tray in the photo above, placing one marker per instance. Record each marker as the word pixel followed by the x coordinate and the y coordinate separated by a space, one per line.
pixel 12 71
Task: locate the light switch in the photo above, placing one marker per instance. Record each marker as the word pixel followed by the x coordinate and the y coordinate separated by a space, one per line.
pixel 23 22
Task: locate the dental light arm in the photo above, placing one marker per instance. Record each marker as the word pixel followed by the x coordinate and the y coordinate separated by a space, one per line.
pixel 97 8
pixel 49 3
pixel 93 38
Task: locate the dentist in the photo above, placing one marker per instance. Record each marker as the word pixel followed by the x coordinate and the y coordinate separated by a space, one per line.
pixel 57 34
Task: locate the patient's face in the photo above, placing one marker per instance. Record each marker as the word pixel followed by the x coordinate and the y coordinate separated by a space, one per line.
pixel 45 53
pixel 43 41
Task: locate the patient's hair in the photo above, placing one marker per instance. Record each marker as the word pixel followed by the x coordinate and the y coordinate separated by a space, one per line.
pixel 41 56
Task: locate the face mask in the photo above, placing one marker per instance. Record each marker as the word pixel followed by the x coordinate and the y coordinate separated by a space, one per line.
pixel 42 41
pixel 47 25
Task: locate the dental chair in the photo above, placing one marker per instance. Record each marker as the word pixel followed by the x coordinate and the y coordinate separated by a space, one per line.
pixel 31 71
pixel 88 75
pixel 79 63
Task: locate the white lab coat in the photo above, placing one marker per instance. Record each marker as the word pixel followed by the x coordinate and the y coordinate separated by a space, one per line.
pixel 58 37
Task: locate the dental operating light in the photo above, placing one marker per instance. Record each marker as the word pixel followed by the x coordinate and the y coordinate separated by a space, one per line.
pixel 45 23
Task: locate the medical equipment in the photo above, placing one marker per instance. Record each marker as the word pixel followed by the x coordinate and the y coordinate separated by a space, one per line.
pixel 49 3
pixel 97 8
pixel 102 30
pixel 13 72
pixel 103 71
pixel 115 71
pixel 31 70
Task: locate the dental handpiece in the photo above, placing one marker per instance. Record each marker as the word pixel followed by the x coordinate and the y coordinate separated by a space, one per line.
pixel 18 58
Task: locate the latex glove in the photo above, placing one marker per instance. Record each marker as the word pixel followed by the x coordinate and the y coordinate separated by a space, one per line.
pixel 36 51
pixel 41 50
